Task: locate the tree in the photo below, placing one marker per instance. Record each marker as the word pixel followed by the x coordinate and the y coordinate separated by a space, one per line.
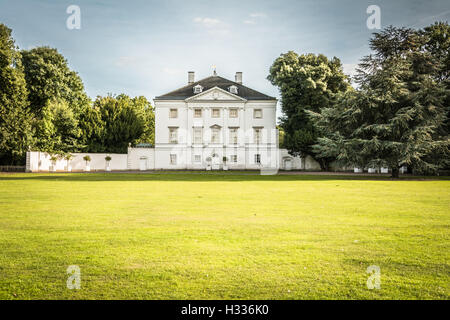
pixel 58 130
pixel 15 119
pixel 114 122
pixel 307 83
pixel 392 119
pixel 143 106
pixel 437 44
pixel 49 77
pixel 92 127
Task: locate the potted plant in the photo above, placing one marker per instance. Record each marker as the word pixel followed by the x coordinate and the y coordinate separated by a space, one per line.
pixel 208 163
pixel 87 158
pixel 53 160
pixel 68 157
pixel 225 159
pixel 108 159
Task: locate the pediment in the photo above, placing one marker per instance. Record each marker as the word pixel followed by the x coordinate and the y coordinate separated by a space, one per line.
pixel 215 93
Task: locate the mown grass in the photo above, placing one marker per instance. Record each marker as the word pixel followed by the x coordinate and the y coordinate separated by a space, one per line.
pixel 223 236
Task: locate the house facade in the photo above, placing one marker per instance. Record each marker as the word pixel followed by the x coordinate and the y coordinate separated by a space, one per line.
pixel 215 122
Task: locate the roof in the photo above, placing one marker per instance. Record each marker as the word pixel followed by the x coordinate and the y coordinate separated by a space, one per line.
pixel 144 145
pixel 211 82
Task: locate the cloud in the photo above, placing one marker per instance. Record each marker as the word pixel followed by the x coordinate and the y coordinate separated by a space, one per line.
pixel 254 17
pixel 350 69
pixel 213 26
pixel 208 22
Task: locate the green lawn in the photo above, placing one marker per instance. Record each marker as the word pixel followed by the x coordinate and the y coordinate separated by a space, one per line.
pixel 223 236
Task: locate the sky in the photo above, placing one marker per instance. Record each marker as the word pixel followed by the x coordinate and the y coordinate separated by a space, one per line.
pixel 146 47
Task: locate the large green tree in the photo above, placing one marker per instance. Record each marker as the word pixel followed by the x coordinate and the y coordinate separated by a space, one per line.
pixel 58 130
pixel 146 110
pixel 437 44
pixel 114 122
pixel 15 119
pixel 49 78
pixel 393 118
pixel 307 82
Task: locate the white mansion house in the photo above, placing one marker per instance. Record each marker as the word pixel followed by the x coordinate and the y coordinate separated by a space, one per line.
pixel 215 122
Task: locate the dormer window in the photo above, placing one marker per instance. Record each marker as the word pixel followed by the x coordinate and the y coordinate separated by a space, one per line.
pixel 198 88
pixel 233 89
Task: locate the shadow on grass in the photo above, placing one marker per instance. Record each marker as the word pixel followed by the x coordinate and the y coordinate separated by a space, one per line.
pixel 201 176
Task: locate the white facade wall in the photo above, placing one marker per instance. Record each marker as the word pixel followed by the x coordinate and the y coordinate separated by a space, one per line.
pixel 141 159
pixel 188 153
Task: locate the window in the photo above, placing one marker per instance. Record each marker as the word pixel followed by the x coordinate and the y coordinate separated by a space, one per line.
pixel 257 135
pixel 198 88
pixel 173 113
pixel 197 113
pixel 233 89
pixel 215 113
pixel 173 159
pixel 257 158
pixel 233 158
pixel 233 113
pixel 197 158
pixel 198 135
pixel 233 135
pixel 215 135
pixel 257 113
pixel 173 135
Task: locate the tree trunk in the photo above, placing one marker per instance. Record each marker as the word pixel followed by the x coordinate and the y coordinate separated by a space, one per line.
pixel 395 172
pixel 324 165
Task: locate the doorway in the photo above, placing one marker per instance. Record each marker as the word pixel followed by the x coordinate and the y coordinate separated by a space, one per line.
pixel 143 163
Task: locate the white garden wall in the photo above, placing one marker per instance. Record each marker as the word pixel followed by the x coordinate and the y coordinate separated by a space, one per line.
pixel 146 159
pixel 40 161
pixel 136 159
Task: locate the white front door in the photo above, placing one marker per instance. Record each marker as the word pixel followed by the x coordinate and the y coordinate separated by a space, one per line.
pixel 143 164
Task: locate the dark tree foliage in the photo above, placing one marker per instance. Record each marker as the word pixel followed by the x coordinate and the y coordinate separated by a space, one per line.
pixel 49 78
pixel 15 120
pixel 395 117
pixel 307 83
pixel 114 122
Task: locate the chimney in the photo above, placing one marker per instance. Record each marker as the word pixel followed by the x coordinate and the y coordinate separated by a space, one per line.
pixel 191 77
pixel 238 77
